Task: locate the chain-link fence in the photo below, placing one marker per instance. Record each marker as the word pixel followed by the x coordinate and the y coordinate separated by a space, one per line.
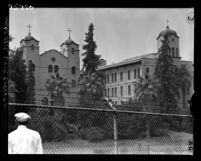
pixel 78 130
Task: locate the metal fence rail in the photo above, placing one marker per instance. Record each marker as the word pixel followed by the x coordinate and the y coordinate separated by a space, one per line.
pixel 79 130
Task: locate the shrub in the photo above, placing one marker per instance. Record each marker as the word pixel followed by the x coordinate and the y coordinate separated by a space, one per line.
pixel 91 134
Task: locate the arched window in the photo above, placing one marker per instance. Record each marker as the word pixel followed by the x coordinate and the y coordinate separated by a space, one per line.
pixel 32 47
pixel 56 68
pixel 73 70
pixel 129 76
pixel 115 91
pixel 33 67
pixel 135 73
pixel 73 51
pixel 108 92
pixel 177 52
pixel 173 52
pixel 121 90
pixel 147 70
pixel 129 89
pixel 138 72
pixel 121 76
pixel 73 83
pixel 50 68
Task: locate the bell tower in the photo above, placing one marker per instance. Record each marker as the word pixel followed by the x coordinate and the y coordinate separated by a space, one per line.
pixel 173 41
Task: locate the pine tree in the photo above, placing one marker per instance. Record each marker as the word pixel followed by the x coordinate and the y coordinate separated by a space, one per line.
pixel 92 84
pixel 90 60
pixel 168 89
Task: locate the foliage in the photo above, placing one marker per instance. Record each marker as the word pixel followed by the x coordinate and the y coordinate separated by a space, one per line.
pixel 168 89
pixel 183 80
pixel 57 86
pixel 92 134
pixel 30 81
pixel 90 60
pixel 17 74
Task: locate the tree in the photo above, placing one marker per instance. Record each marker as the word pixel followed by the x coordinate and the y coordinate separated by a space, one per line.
pixel 57 86
pixel 90 60
pixel 17 74
pixel 145 91
pixel 30 84
pixel 92 84
pixel 168 90
pixel 184 81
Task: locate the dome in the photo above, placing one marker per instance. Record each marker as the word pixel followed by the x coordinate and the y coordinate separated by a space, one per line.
pixel 28 38
pixel 167 32
pixel 69 42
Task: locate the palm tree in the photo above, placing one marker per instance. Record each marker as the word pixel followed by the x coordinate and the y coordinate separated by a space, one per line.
pixel 57 86
pixel 184 79
pixel 92 86
pixel 145 91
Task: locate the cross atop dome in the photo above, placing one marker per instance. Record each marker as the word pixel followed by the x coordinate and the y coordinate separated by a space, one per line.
pixel 167 24
pixel 29 26
pixel 69 30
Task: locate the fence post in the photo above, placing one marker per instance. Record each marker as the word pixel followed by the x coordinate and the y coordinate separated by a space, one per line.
pixel 115 133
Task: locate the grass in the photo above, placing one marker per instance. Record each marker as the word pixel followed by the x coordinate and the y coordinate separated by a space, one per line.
pixel 175 143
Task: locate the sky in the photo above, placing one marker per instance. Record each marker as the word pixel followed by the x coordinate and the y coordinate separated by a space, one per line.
pixel 120 33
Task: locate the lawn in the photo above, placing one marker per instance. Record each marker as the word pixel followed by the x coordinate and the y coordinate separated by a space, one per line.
pixel 175 143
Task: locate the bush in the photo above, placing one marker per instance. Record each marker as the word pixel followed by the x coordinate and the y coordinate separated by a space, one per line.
pixel 92 134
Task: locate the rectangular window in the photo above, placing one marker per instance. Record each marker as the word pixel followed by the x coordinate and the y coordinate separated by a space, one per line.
pixel 129 77
pixel 115 77
pixel 121 76
pixel 112 92
pixel 147 70
pixel 108 78
pixel 129 89
pixel 115 91
pixel 177 52
pixel 112 77
pixel 121 90
pixel 138 72
pixel 135 73
pixel 108 92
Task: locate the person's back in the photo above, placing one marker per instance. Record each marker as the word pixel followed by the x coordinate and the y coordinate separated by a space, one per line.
pixel 24 140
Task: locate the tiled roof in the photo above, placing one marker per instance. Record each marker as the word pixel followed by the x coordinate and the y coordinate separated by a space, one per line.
pixel 129 61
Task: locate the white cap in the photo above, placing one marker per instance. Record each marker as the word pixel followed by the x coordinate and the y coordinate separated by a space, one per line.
pixel 22 117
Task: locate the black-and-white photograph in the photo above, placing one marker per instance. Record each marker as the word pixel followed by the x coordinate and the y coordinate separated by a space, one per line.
pixel 100 80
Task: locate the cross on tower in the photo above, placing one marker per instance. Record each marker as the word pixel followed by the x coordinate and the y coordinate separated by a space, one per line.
pixel 69 30
pixel 29 26
pixel 167 23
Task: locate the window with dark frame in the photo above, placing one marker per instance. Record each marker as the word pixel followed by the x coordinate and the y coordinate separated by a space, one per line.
pixel 129 76
pixel 73 70
pixel 50 68
pixel 135 72
pixel 129 89
pixel 138 72
pixel 121 90
pixel 121 76
pixel 115 91
pixel 56 68
pixel 73 51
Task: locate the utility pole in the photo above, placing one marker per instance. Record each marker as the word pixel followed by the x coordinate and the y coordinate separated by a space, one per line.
pixel 114 124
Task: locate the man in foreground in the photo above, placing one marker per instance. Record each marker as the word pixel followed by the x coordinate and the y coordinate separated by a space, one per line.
pixel 24 140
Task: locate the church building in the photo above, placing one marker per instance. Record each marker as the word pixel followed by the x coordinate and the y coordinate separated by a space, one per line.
pixel 65 62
